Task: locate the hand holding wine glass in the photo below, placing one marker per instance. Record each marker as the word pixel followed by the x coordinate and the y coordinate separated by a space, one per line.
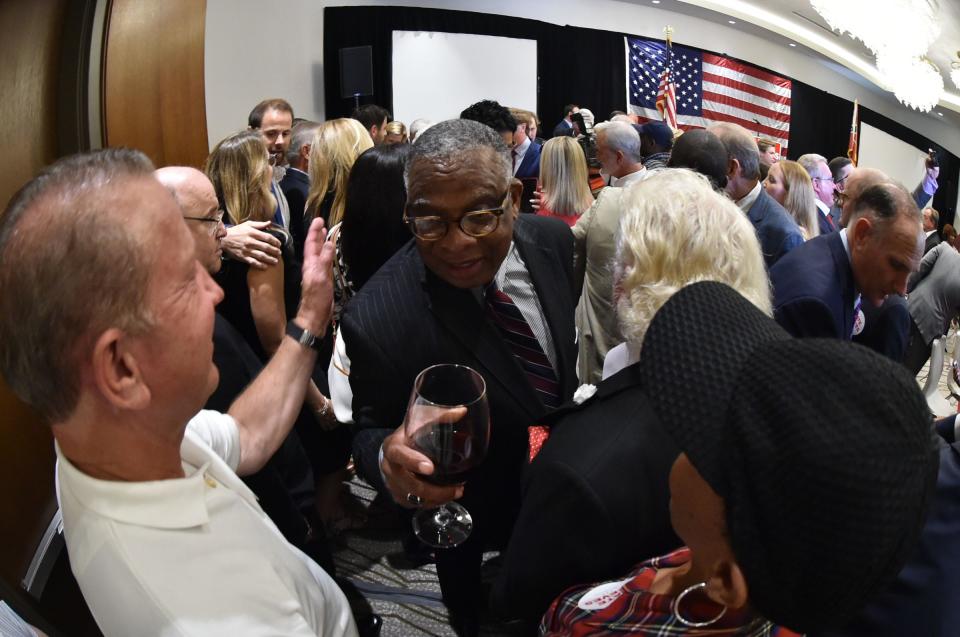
pixel 448 421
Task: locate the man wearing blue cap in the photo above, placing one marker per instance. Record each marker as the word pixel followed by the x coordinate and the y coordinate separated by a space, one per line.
pixel 656 141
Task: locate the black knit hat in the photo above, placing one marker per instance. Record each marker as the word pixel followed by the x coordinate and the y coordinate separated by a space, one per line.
pixel 822 451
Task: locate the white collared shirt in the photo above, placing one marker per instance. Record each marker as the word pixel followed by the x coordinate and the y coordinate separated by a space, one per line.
pixel 630 178
pixel 519 152
pixel 193 555
pixel 751 198
pixel 822 207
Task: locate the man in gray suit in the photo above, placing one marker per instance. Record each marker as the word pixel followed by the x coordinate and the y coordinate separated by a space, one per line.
pixel 933 301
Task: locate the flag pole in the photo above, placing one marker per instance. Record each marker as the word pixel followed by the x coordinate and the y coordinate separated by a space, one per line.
pixel 852 144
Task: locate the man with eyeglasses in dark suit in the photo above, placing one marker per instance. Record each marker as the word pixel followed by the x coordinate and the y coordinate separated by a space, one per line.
pixel 431 304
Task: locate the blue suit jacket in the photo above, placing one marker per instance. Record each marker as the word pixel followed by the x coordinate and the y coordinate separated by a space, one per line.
pixel 922 600
pixel 813 289
pixel 825 227
pixel 530 166
pixel 777 231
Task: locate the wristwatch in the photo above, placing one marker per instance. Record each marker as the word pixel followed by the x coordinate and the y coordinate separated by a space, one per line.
pixel 302 336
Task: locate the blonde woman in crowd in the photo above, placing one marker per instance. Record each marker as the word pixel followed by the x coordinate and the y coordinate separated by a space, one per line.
pixel 790 185
pixel 256 301
pixel 565 188
pixel 336 146
pixel 396 133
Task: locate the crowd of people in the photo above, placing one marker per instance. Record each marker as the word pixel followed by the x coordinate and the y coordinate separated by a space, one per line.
pixel 699 360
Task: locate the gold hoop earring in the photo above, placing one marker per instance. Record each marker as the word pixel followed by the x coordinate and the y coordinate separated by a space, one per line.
pixel 675 608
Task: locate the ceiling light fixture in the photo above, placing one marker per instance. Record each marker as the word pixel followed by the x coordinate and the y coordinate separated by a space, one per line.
pixel 793 44
pixel 881 25
pixel 731 21
pixel 916 82
pixel 905 28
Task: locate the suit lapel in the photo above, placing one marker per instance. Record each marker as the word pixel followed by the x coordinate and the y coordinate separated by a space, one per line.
pixel 459 312
pixel 542 263
pixel 847 286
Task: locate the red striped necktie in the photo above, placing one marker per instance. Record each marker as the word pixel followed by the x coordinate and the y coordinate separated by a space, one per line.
pixel 523 345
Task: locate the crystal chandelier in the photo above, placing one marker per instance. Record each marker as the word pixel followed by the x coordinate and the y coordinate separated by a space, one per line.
pixel 916 82
pixel 899 33
pixel 898 27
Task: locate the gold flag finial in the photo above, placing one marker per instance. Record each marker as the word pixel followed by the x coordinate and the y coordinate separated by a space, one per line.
pixel 668 31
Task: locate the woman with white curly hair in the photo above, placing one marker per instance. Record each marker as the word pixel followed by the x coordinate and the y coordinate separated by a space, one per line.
pixel 596 498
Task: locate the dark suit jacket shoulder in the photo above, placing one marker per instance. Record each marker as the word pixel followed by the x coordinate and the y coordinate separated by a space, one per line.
pixel 530 166
pixel 777 231
pixel 595 500
pixel 813 289
pixel 296 187
pixel 931 242
pixel 561 129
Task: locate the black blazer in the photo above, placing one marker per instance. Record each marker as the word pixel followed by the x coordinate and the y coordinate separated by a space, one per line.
pixel 406 319
pixel 923 598
pixel 595 499
pixel 931 242
pixel 296 187
pixel 813 289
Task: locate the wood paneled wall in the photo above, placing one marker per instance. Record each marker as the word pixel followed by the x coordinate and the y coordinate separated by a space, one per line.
pixel 153 81
pixel 30 37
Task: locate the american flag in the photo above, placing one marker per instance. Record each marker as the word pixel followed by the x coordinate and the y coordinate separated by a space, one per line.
pixel 667 100
pixel 709 88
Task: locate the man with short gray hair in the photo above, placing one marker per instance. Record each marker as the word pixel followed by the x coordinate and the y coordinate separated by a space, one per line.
pixel 296 181
pixel 619 153
pixel 474 262
pixel 823 187
pixel 777 231
pixel 163 536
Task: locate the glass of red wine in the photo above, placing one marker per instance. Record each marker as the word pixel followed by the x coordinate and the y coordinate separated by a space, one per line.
pixel 448 421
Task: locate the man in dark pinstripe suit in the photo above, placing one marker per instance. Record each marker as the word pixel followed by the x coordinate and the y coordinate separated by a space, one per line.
pixel 427 306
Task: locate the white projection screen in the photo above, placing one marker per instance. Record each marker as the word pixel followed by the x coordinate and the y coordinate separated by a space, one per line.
pixel 437 75
pixel 900 160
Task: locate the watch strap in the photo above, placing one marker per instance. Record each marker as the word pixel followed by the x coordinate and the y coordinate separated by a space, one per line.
pixel 303 336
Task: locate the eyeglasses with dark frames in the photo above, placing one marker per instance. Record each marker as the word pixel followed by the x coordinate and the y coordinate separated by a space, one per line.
pixel 477 223
pixel 214 220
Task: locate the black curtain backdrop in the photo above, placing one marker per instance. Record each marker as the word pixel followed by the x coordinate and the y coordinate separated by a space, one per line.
pixel 588 67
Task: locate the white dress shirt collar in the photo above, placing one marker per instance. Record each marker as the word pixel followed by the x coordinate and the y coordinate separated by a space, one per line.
pixel 631 178
pixel 751 198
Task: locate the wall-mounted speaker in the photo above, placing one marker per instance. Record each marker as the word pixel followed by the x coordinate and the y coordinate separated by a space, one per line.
pixel 356 71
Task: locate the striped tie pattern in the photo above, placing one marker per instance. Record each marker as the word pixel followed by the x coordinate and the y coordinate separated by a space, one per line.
pixel 523 344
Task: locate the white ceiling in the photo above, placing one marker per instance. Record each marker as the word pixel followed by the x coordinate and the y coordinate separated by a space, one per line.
pixel 796 21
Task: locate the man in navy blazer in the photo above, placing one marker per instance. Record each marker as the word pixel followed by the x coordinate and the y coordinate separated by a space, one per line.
pixel 777 231
pixel 816 287
pixel 525 154
pixel 565 126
